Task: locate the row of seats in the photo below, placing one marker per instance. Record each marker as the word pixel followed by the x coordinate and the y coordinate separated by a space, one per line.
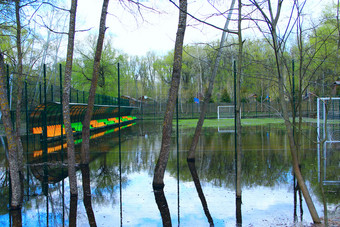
pixel 55 130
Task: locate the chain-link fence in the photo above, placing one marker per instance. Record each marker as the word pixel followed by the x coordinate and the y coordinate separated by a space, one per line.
pixel 155 110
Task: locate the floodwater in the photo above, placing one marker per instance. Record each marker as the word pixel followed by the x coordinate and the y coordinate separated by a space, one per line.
pixel 121 185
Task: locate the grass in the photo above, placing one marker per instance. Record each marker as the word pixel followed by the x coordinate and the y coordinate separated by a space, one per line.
pixel 229 122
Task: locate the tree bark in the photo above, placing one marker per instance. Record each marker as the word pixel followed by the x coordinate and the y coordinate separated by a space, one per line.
pixel 66 96
pixel 85 156
pixel 14 168
pixel 19 91
pixel 207 96
pixel 173 92
pixel 85 148
pixel 238 105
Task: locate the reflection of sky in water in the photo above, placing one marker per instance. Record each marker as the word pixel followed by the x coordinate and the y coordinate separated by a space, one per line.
pixel 261 205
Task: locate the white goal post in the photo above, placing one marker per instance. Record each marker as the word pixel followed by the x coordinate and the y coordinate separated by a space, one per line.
pixel 226 112
pixel 328 139
pixel 328 119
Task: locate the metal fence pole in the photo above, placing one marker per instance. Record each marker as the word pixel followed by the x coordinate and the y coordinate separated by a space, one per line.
pixel 45 178
pixel 27 125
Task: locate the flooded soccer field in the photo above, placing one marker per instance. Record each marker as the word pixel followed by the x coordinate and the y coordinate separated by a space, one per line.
pixel 120 179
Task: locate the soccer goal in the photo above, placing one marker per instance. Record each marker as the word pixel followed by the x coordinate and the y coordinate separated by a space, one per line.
pixel 328 119
pixel 328 137
pixel 226 112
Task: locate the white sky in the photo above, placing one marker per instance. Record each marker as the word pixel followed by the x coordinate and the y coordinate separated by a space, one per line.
pixel 135 36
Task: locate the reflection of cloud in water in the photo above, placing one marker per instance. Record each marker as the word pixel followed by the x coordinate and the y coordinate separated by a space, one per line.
pixel 260 205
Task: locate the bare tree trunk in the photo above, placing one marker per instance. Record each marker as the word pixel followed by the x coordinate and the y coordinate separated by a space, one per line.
pixel 11 140
pixel 19 91
pixel 85 156
pixel 288 124
pixel 207 96
pixel 238 105
pixel 85 148
pixel 272 21
pixel 173 92
pixel 293 150
pixel 66 101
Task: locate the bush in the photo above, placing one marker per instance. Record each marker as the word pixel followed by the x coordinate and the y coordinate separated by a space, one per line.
pixel 225 97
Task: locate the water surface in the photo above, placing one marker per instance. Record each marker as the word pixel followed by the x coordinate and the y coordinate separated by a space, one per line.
pixel 268 194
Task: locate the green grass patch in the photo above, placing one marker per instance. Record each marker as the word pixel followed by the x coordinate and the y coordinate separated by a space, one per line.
pixel 229 122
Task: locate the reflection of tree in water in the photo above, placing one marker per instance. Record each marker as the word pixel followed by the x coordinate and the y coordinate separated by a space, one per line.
pixel 266 160
pixel 85 172
pixel 15 216
pixel 106 178
pixel 4 192
pixel 163 207
pixel 73 211
pixel 199 190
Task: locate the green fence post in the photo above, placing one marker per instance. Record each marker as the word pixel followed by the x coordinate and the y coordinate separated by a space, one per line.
pixel 45 178
pixel 27 125
pixel 269 106
pixel 256 108
pixel 192 110
pixel 52 96
pixel 40 97
pixel 7 74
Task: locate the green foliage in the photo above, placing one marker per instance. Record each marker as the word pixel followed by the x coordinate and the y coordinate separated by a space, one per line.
pixel 107 80
pixel 225 96
pixel 150 74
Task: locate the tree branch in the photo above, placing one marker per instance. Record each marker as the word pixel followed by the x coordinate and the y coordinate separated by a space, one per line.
pixel 204 22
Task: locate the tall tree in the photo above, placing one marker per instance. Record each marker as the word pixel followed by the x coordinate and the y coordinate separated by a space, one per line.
pixel 20 86
pixel 207 96
pixel 272 20
pixel 66 101
pixel 173 93
pixel 85 148
pixel 94 81
pixel 238 103
pixel 16 159
pixel 14 168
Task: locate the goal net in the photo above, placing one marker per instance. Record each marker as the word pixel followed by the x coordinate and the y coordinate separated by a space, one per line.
pixel 328 119
pixel 226 112
pixel 328 137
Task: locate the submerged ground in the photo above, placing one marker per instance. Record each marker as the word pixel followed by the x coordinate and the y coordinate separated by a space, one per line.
pixel 269 197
